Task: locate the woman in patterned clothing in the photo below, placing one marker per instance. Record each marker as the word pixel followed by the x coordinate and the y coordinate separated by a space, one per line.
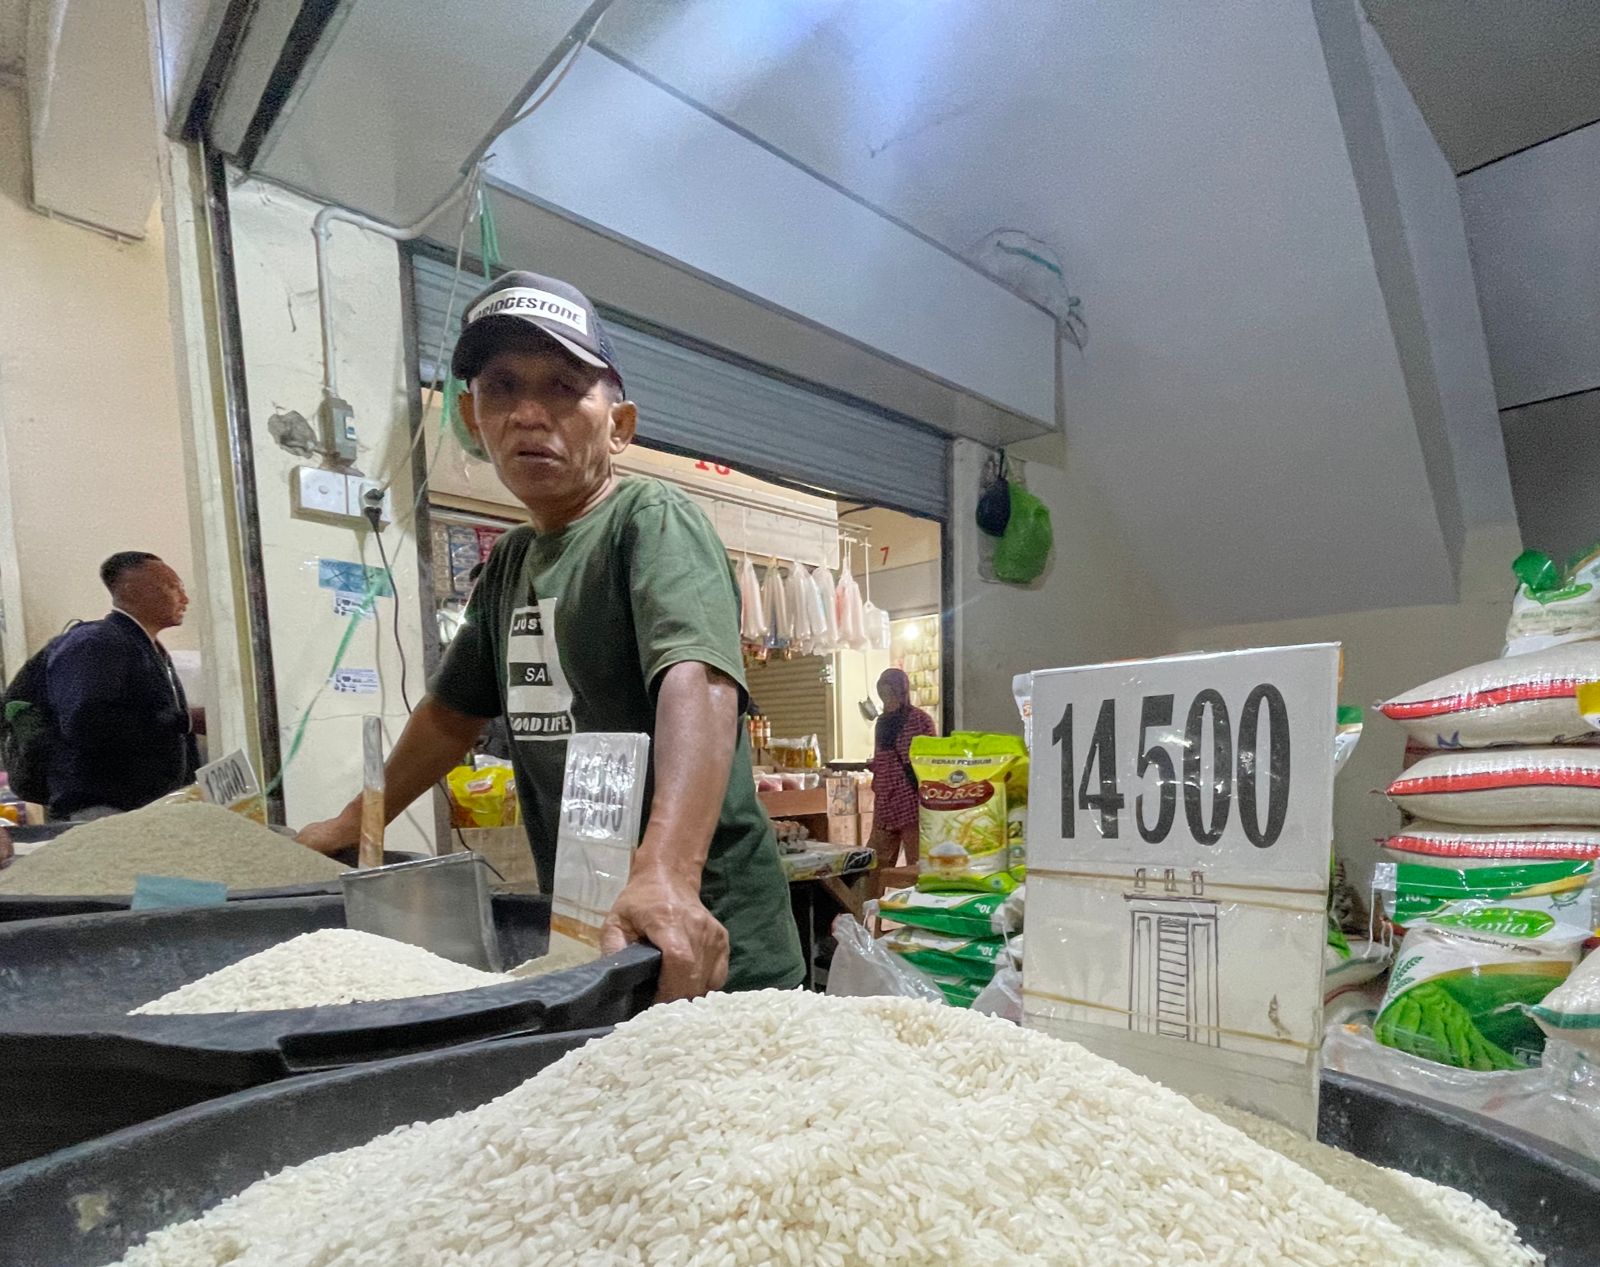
pixel 894 786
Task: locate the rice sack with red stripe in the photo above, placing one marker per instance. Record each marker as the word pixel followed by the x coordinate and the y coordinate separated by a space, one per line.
pixel 1525 699
pixel 1510 787
pixel 1425 842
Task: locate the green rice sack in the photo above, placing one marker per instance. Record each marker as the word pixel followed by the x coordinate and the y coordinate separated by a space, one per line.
pixel 957 914
pixel 975 958
pixel 1571 1011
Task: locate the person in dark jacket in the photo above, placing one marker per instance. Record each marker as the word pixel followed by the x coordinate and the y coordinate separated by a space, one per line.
pixel 125 736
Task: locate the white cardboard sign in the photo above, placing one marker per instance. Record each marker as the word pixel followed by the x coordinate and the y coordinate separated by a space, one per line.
pixel 1179 829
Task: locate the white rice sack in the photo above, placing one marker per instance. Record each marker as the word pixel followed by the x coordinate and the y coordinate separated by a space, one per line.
pixel 1474 846
pixel 1509 787
pixel 954 1139
pixel 1526 699
pixel 1519 699
pixel 1564 608
pixel 1572 1010
pixel 329 966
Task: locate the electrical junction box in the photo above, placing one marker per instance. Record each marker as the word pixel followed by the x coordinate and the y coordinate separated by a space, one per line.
pixel 319 493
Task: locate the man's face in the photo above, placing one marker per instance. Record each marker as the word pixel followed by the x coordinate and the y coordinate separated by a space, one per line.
pixel 153 593
pixel 549 425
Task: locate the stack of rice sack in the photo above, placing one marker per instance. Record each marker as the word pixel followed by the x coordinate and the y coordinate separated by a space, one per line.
pixel 1492 878
pixel 962 922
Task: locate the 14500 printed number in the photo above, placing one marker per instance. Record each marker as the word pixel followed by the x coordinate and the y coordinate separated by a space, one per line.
pixel 1236 769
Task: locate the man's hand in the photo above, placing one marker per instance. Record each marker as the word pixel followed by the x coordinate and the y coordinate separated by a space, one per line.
pixel 665 910
pixel 334 834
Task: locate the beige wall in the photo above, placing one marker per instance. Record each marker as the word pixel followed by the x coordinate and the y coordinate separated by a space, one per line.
pixel 1091 604
pixel 93 456
pixel 1386 652
pixel 276 272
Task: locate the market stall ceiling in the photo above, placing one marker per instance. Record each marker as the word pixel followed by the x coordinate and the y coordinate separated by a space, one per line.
pixel 1239 398
pixel 1495 76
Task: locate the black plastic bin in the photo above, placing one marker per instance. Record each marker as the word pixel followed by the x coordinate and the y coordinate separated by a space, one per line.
pixel 15 906
pixel 74 1065
pixel 86 1206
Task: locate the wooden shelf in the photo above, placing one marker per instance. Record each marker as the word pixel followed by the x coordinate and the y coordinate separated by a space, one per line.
pixel 795 804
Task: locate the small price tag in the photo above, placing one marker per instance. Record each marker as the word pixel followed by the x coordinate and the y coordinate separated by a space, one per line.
pixel 1179 832
pixel 232 783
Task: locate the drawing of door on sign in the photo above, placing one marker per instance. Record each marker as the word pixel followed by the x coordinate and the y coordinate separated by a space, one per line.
pixel 1173 987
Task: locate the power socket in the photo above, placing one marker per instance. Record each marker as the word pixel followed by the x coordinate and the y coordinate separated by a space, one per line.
pixel 356 489
pixel 319 492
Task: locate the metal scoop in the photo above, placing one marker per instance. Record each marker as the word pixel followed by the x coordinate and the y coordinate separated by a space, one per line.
pixel 441 904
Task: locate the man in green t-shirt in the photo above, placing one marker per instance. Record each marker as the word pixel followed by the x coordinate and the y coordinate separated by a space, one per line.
pixel 614 611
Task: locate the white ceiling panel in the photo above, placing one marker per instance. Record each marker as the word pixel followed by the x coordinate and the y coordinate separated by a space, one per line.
pixel 13 33
pixel 402 94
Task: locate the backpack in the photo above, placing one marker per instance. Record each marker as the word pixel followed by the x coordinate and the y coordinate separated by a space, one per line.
pixel 28 727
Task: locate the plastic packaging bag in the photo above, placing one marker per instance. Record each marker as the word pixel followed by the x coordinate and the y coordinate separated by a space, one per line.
pixel 1346 735
pixel 1517 899
pixel 1571 1011
pixel 940 955
pixel 862 968
pixel 775 604
pixel 1525 699
pixel 1440 843
pixel 485 797
pixel 1510 787
pixel 752 612
pixel 972 792
pixel 1551 606
pixel 1558 1101
pixel 827 599
pixel 1002 997
pixel 955 914
pixel 799 611
pixel 852 621
pixel 602 813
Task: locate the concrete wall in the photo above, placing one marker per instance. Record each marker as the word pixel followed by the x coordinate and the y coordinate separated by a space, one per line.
pixel 88 403
pixel 1091 604
pixel 276 273
pixel 1386 652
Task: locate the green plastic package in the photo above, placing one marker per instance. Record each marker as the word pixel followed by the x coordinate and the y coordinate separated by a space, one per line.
pixel 1462 998
pixel 974 958
pixel 955 914
pixel 1025 548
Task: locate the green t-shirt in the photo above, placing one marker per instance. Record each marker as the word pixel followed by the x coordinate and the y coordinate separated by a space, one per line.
pixel 571 632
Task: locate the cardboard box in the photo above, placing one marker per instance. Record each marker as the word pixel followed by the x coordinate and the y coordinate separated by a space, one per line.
pixel 844 829
pixel 865 819
pixel 842 796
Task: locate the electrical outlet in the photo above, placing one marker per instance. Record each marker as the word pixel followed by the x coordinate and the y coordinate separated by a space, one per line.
pixel 356 487
pixel 319 492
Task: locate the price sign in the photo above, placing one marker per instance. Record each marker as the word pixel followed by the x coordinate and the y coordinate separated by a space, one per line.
pixel 1179 836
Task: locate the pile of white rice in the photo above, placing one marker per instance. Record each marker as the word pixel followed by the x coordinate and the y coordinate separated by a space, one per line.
pixel 194 840
pixel 792 1128
pixel 329 966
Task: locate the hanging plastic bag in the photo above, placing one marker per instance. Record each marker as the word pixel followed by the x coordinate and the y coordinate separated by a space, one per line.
pixel 852 623
pixel 775 603
pixel 875 622
pixel 799 611
pixel 752 612
pixel 1025 548
pixel 827 591
pixel 822 639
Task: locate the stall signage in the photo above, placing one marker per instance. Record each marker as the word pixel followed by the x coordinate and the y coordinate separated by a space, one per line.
pixel 1179 835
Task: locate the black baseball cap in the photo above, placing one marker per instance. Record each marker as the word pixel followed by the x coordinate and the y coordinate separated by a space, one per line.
pixel 514 301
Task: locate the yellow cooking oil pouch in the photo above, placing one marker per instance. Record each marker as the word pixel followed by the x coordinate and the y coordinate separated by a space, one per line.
pixel 968 785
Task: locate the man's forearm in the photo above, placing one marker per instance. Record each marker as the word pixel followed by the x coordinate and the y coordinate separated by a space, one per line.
pixel 697 720
pixel 433 742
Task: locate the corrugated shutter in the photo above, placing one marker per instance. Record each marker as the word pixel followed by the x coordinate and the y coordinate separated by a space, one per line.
pixel 795 696
pixel 696 403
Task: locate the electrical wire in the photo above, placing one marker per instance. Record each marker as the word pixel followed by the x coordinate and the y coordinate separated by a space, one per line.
pixel 394 592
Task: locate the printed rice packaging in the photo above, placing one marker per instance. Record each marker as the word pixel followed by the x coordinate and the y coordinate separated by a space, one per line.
pixel 1572 1010
pixel 955 914
pixel 1552 605
pixel 1511 787
pixel 1525 699
pixel 973 793
pixel 1423 842
pixel 975 958
pixel 1543 895
pixel 1460 991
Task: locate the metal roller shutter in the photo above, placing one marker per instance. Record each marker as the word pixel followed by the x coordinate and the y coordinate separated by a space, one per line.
pixel 696 403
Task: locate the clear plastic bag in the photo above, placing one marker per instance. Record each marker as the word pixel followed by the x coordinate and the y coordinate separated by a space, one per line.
pixel 1002 997
pixel 1558 1100
pixel 863 968
pixel 752 612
